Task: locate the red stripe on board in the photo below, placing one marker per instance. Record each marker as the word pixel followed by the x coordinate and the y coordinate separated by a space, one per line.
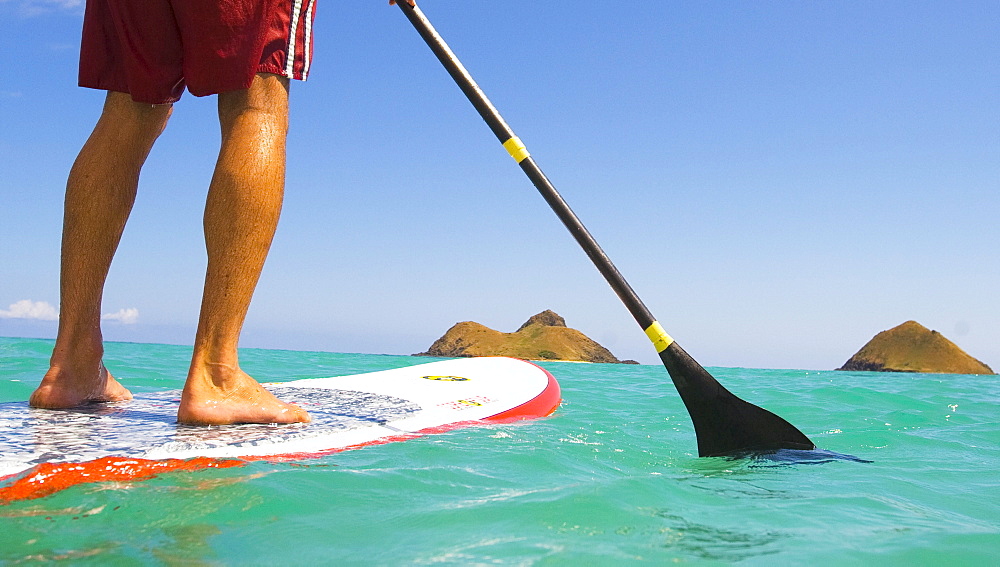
pixel 48 478
pixel 540 406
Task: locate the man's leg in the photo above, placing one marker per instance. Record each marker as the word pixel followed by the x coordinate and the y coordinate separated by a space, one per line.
pixel 241 215
pixel 99 196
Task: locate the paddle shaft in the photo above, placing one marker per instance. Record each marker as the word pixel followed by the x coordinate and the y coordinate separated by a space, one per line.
pixel 505 134
pixel 723 422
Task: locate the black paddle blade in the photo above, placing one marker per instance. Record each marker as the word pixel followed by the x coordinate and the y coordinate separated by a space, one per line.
pixel 724 423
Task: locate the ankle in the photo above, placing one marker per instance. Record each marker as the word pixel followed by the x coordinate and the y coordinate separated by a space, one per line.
pixel 83 363
pixel 72 346
pixel 223 377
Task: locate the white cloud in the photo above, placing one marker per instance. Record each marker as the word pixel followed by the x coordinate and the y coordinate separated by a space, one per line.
pixel 128 316
pixel 39 7
pixel 44 311
pixel 28 309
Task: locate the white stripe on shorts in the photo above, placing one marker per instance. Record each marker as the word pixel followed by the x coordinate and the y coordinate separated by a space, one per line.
pixel 308 40
pixel 292 44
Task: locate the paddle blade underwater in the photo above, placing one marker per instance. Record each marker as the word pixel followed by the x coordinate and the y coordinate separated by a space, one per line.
pixel 724 424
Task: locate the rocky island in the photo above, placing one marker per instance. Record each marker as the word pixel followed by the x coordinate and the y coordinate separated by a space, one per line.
pixel 544 336
pixel 911 347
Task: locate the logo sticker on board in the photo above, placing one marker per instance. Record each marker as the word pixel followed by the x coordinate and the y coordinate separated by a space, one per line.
pixel 476 401
pixel 446 378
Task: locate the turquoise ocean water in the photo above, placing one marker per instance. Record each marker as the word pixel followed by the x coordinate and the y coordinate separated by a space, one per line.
pixel 612 478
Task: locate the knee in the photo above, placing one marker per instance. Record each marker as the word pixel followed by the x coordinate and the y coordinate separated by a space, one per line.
pixel 158 117
pixel 150 120
pixel 134 119
pixel 265 101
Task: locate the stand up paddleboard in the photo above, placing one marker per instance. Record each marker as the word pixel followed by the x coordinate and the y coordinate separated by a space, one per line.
pixel 141 438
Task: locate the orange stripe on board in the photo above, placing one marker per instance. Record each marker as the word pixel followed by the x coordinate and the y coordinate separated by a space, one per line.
pixel 541 405
pixel 48 478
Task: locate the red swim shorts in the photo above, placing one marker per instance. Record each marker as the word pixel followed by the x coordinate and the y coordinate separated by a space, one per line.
pixel 153 49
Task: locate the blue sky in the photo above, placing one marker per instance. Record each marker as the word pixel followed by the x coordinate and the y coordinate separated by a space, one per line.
pixel 779 181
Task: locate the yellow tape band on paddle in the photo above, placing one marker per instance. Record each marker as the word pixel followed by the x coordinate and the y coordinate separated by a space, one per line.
pixel 516 149
pixel 661 340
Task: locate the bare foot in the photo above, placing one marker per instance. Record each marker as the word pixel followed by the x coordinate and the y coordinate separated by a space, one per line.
pixel 63 388
pixel 241 400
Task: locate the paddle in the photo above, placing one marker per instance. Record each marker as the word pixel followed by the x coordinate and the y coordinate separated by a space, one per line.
pixel 723 423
